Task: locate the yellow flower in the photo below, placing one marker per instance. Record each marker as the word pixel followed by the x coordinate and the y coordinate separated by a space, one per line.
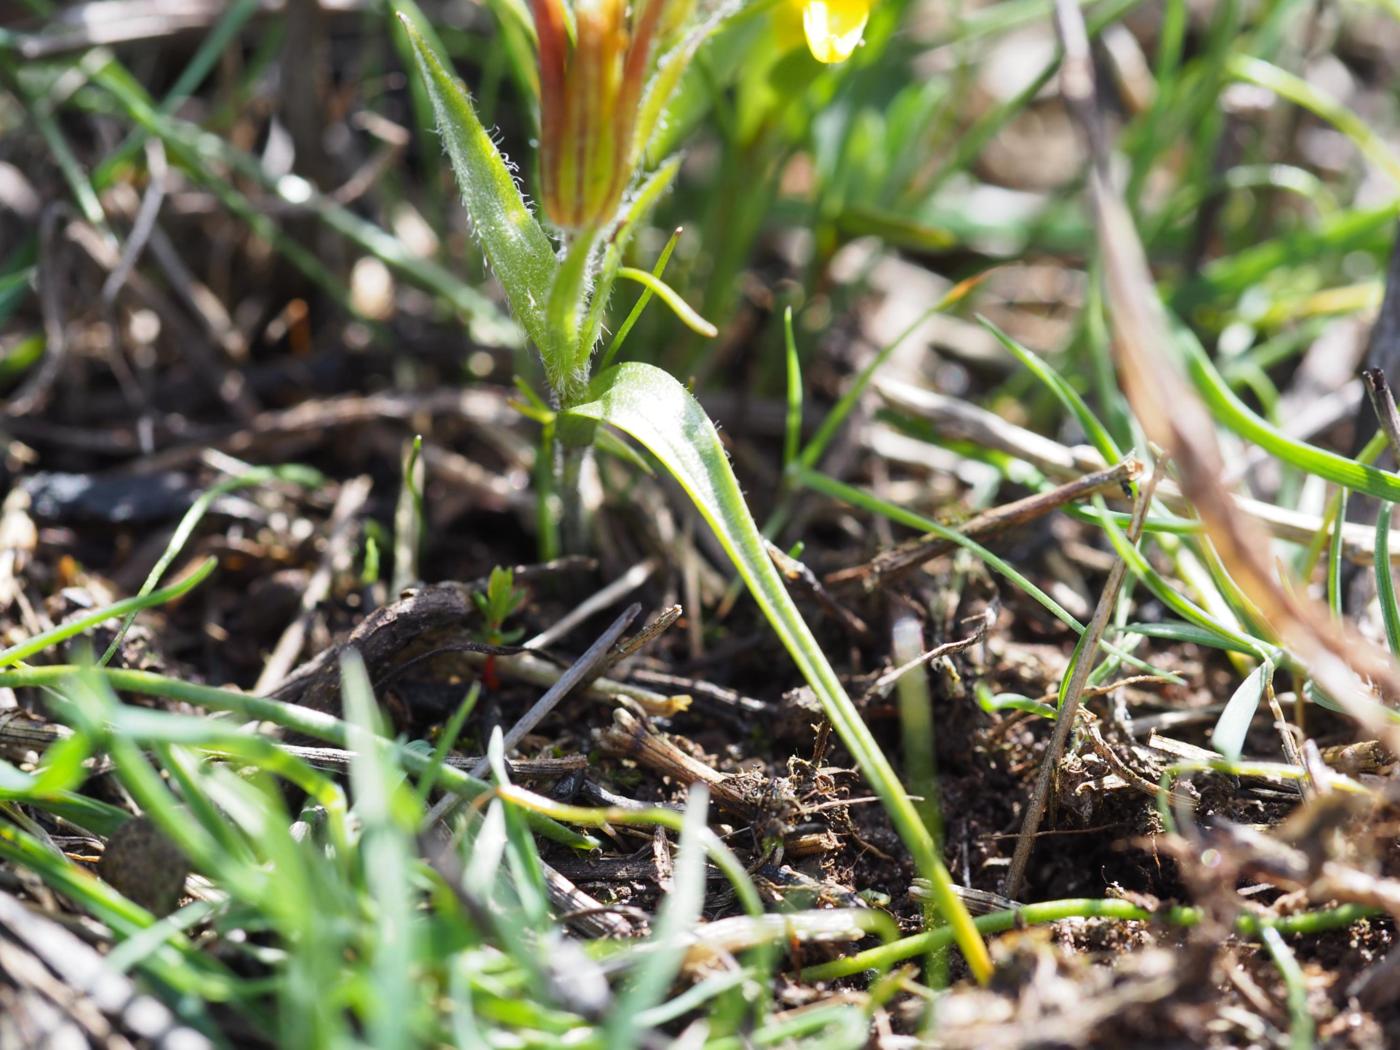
pixel 834 27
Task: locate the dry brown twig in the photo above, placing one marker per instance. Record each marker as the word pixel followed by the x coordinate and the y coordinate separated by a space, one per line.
pixel 629 737
pixel 891 564
pixel 578 672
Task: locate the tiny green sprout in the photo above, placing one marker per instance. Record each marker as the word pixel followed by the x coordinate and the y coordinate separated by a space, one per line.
pixel 501 600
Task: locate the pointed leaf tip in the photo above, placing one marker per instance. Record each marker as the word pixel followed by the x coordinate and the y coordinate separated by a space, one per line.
pixel 516 246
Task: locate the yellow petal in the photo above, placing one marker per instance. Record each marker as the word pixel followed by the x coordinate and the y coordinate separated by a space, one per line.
pixel 834 27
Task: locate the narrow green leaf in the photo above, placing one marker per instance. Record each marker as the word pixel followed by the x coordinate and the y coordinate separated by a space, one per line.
pixel 792 432
pixel 638 205
pixel 1138 565
pixel 641 304
pixel 868 501
pixel 1302 93
pixel 31 646
pixel 660 413
pixel 568 292
pixel 297 475
pixel 671 298
pixel 994 702
pixel 1385 580
pixel 680 911
pixel 1334 556
pixel 1175 631
pixel 300 719
pixel 1096 432
pixel 1233 413
pixel 514 242
pixel 848 401
pixel 446 742
pixel 389 862
pixel 1301 1027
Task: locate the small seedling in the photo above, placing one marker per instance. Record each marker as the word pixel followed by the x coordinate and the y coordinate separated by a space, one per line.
pixel 500 601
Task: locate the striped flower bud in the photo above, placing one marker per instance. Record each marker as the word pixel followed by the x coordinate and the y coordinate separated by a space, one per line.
pixel 590 92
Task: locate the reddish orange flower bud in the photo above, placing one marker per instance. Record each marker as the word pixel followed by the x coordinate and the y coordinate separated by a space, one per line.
pixel 589 96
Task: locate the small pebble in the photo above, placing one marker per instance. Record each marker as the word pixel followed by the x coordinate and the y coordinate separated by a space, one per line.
pixel 142 863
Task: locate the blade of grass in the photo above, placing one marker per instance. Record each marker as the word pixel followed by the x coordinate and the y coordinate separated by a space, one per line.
pixel 1334 557
pixel 812 453
pixel 1302 93
pixel 1096 432
pixel 663 291
pixel 53 636
pixel 1232 727
pixel 1300 1028
pixel 792 426
pixel 1385 580
pixel 885 956
pixel 678 915
pixel 299 719
pixel 1233 413
pixel 606 359
pixel 225 30
pixel 385 845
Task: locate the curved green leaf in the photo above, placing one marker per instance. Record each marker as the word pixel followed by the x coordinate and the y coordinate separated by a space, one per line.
pixel 660 413
pixel 1235 415
pixel 671 298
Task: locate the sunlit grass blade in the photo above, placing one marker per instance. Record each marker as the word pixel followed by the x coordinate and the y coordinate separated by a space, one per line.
pixel 663 291
pixel 185 529
pixel 818 482
pixel 678 916
pixel 1229 410
pixel 1301 1027
pixel 1192 634
pixel 1385 580
pixel 1177 602
pixel 792 424
pixel 446 742
pixel 625 329
pixel 386 816
pixel 1307 95
pixel 225 30
pixel 1096 432
pixel 1334 557
pixel 54 635
pixel 1248 924
pixel 658 412
pixel 812 452
pixel 299 719
pixel 1233 725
